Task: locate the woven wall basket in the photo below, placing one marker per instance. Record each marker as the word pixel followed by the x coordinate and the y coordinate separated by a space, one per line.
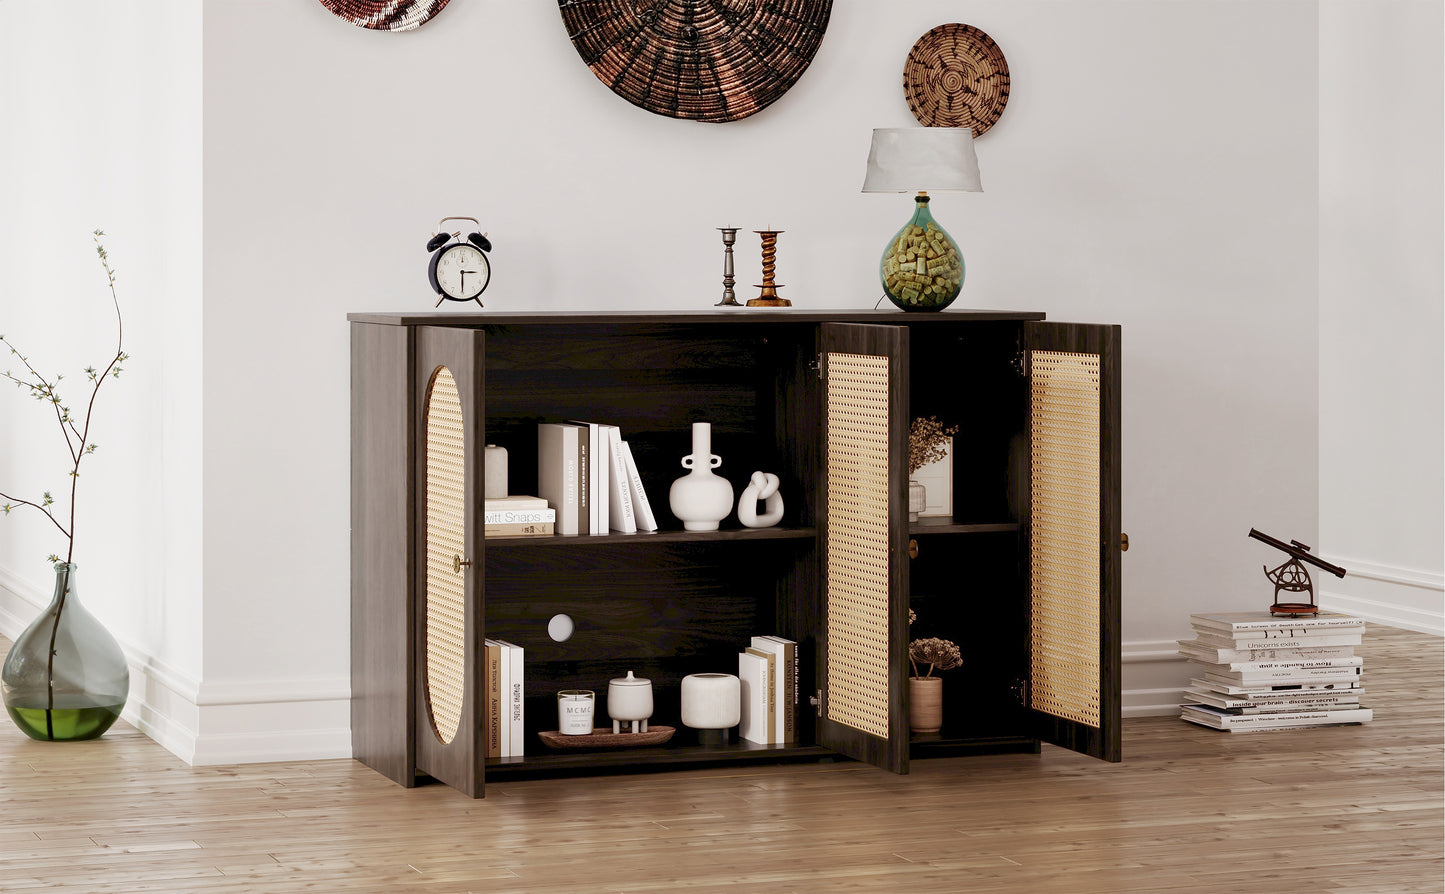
pixel 385 15
pixel 956 76
pixel 704 60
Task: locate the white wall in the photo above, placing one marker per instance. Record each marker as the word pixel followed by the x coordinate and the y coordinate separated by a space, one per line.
pixel 1382 386
pixel 1132 179
pixel 100 108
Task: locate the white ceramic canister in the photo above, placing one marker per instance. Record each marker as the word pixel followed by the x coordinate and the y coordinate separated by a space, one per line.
pixel 629 700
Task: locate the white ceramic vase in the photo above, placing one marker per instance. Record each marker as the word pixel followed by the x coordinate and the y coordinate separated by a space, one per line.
pixel 700 499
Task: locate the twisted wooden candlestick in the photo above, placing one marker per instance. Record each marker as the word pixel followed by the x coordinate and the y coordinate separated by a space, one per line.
pixel 769 295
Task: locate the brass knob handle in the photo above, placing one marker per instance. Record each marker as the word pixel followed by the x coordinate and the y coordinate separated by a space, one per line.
pixel 458 563
pixel 912 549
pixel 1124 542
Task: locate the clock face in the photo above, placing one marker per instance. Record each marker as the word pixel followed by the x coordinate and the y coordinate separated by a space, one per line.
pixel 462 271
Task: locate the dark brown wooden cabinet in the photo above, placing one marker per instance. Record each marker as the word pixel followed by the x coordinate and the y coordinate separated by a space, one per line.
pixel 1024 576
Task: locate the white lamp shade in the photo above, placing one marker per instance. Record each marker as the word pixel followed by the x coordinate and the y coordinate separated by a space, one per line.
pixel 922 159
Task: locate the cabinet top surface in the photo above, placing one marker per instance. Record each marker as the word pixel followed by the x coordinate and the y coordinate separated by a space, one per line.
pixel 740 315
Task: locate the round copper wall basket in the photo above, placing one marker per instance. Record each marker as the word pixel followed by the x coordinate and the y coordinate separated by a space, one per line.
pixel 702 60
pixel 956 76
pixel 381 15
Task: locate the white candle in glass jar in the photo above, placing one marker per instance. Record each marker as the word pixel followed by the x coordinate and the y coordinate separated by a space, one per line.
pixel 574 712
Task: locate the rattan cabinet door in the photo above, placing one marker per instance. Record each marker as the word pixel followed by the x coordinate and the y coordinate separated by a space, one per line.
pixel 450 415
pixel 1072 528
pixel 862 622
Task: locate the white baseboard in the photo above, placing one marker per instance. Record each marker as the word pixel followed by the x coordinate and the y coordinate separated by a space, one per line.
pixel 1396 597
pixel 1155 675
pixel 210 723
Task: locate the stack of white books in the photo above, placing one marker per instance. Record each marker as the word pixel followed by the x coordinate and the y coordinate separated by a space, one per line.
pixel 768 684
pixel 586 475
pixel 1258 671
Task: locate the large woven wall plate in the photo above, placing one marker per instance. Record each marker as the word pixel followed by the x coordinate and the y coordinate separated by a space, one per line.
pixel 956 76
pixel 703 60
pixel 385 15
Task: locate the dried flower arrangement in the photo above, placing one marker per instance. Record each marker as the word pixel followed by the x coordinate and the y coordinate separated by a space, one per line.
pixel 926 442
pixel 938 654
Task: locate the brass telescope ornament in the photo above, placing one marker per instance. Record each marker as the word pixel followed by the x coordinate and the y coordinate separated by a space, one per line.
pixel 1292 577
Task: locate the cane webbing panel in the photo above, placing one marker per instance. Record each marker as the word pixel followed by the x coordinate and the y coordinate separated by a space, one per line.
pixel 445 539
pixel 857 547
pixel 1064 542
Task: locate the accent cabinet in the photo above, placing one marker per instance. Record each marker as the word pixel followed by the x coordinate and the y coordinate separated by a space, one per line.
pixel 1024 575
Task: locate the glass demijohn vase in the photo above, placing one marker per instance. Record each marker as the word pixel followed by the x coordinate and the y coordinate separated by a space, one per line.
pixel 65 680
pixel 922 268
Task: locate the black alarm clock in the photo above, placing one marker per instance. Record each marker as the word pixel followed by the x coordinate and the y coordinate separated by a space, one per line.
pixel 459 270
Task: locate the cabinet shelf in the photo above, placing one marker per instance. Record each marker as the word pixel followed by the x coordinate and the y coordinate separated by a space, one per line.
pixel 584 541
pixel 941 525
pixel 661 757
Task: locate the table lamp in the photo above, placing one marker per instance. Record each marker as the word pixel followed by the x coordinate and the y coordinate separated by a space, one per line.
pixel 922 268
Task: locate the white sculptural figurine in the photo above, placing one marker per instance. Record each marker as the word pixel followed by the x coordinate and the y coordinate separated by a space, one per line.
pixel 763 486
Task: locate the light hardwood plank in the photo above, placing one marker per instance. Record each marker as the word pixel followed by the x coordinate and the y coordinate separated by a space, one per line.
pixel 1350 810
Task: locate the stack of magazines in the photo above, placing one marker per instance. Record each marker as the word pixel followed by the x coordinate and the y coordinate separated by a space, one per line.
pixel 1257 671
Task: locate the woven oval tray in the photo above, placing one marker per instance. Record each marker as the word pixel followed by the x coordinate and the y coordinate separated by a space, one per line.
pixel 697 59
pixel 604 737
pixel 956 76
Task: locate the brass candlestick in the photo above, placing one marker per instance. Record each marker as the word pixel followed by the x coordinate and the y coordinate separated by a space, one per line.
pixel 769 296
pixel 729 236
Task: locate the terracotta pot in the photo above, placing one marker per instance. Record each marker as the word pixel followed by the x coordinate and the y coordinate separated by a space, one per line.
pixel 925 704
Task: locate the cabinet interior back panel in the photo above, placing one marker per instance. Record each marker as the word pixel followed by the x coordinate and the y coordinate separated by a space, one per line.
pixel 857 550
pixel 662 613
pixel 652 387
pixel 1065 535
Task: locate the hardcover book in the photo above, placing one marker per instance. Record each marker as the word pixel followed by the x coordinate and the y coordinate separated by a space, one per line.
pixel 785 688
pixel 1217 719
pixel 619 488
pixel 641 508
pixel 494 697
pixel 1286 667
pixel 1263 625
pixel 1272 702
pixel 515 501
pixel 559 481
pixel 513 699
pixel 597 474
pixel 1247 640
pixel 1194 648
pixel 518 516
pixel 755 693
pixel 523 529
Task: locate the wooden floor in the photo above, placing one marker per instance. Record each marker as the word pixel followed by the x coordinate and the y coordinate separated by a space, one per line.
pixel 1350 810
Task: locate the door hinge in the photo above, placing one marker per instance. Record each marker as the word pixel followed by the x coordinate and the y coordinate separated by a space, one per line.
pixel 1021 691
pixel 818 365
pixel 817 702
pixel 1021 357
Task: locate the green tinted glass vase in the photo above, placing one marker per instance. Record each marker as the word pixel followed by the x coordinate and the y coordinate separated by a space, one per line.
pixel 65 678
pixel 922 268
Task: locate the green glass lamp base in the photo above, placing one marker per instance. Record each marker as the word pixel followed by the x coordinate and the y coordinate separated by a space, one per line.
pixel 922 268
